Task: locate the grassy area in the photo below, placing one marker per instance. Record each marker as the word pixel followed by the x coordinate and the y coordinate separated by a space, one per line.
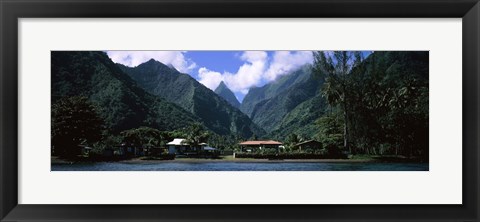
pixel 362 157
pixel 386 158
pixel 228 157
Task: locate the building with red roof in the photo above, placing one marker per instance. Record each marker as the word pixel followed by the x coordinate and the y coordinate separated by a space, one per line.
pixel 254 145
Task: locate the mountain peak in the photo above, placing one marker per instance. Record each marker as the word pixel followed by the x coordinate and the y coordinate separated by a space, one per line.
pixel 154 63
pixel 222 85
pixel 227 94
pixel 151 61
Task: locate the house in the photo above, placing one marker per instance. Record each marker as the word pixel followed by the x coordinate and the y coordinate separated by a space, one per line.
pixel 178 146
pixel 208 151
pixel 205 147
pixel 255 145
pixel 130 150
pixel 310 145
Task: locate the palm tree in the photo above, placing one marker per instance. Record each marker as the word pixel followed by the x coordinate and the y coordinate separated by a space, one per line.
pixel 196 135
pixel 335 67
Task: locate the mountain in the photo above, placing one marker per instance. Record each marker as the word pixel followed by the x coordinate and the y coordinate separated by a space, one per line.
pixel 290 104
pixel 215 112
pixel 302 119
pixel 294 102
pixel 258 94
pixel 269 113
pixel 223 91
pixel 121 102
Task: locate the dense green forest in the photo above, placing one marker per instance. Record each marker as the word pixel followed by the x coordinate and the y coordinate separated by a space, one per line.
pixel 121 103
pixel 92 80
pixel 379 104
pixel 376 105
pixel 92 85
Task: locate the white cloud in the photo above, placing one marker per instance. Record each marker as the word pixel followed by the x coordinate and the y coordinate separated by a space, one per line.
pixel 286 61
pixel 248 75
pixel 254 56
pixel 258 69
pixel 209 78
pixel 134 58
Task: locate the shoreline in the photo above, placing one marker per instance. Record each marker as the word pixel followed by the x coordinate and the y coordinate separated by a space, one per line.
pixel 241 160
pixel 141 160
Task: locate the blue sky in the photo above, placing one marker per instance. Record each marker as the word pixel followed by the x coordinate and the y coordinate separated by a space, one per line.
pixel 222 61
pixel 240 70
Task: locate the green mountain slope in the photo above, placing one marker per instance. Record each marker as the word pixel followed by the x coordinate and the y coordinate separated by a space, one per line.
pixel 215 113
pixel 273 102
pixel 269 113
pixel 122 104
pixel 257 95
pixel 376 86
pixel 223 91
pixel 301 119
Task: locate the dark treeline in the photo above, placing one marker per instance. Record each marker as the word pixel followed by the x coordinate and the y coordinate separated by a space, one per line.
pixel 77 122
pixel 377 105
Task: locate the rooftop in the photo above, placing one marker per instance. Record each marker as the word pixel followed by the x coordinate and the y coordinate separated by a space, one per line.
pixel 260 142
pixel 178 142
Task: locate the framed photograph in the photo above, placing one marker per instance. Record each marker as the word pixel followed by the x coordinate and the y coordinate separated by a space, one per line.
pixel 225 110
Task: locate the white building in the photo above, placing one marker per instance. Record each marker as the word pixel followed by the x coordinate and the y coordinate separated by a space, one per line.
pixel 180 146
pixel 177 146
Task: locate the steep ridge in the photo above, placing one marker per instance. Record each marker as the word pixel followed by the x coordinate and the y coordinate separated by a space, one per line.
pixel 121 102
pixel 223 91
pixel 215 112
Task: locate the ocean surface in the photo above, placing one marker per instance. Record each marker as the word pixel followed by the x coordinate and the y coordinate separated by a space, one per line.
pixel 238 166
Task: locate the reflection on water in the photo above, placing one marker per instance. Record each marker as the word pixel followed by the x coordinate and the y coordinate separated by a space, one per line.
pixel 236 166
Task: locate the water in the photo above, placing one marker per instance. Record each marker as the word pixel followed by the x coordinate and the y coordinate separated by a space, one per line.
pixel 239 166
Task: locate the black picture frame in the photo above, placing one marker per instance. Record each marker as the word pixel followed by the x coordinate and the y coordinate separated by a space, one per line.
pixel 12 10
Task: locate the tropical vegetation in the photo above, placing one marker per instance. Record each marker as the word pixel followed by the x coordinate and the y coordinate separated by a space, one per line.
pixel 351 103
